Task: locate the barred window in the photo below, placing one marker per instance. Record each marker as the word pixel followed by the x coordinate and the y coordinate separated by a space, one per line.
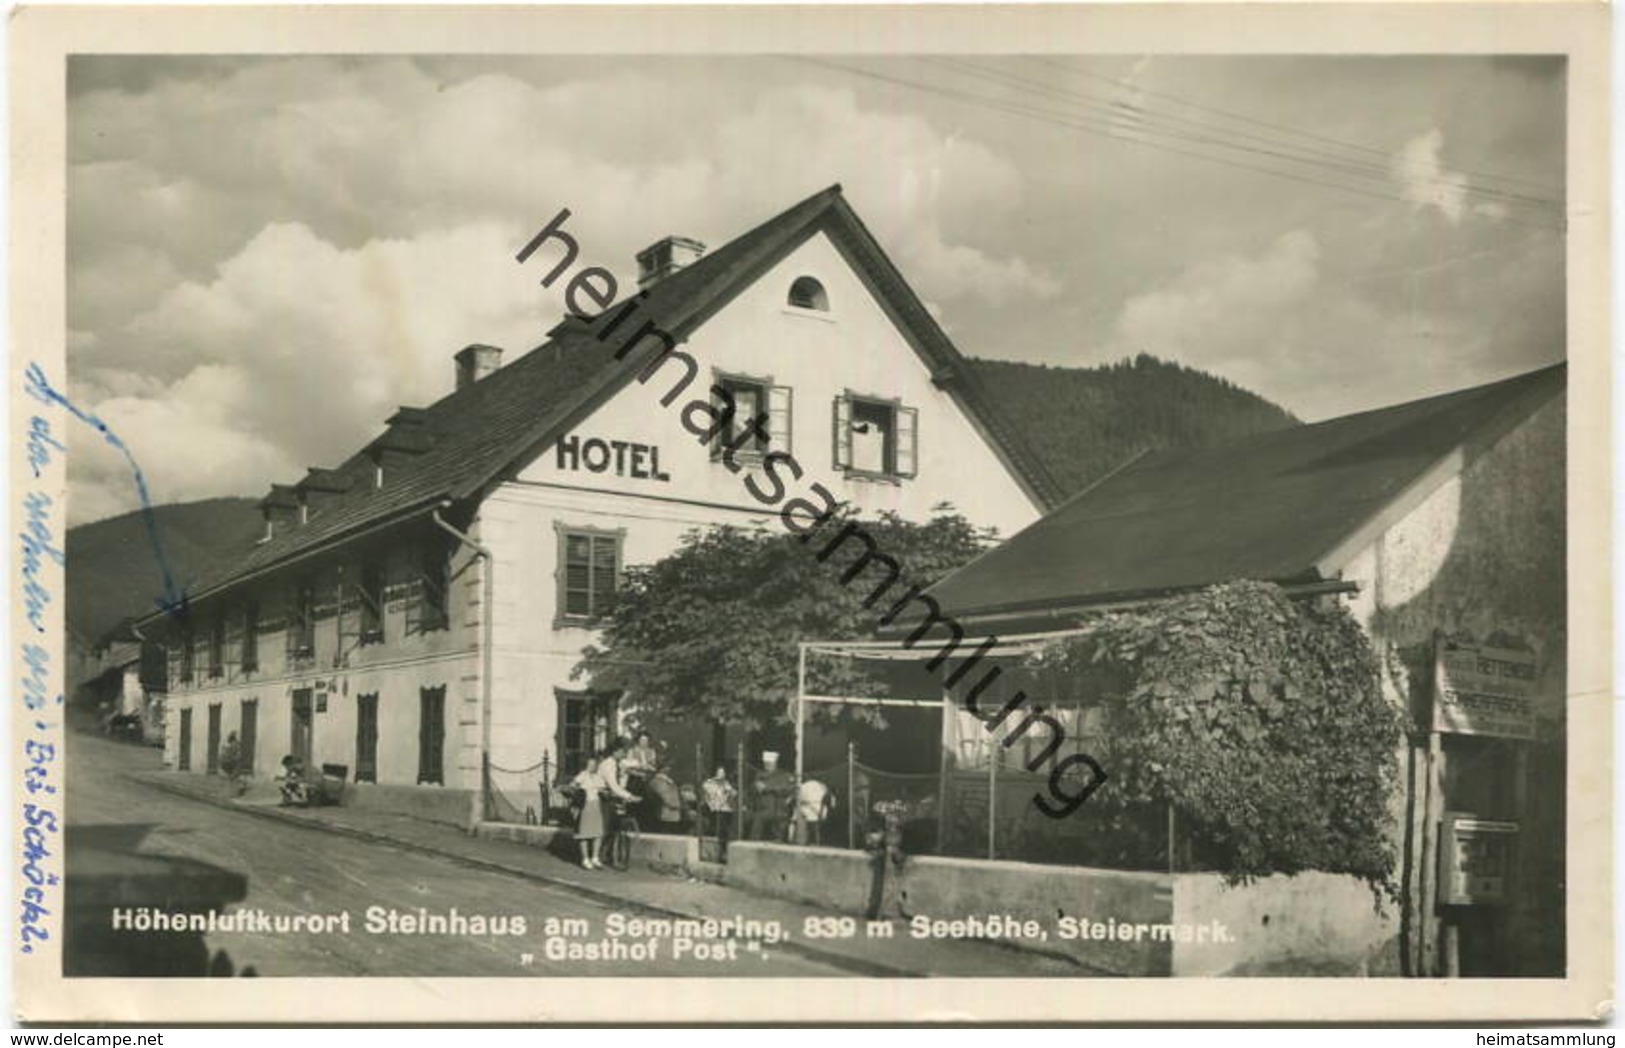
pixel 371 591
pixel 251 639
pixel 431 610
pixel 302 621
pixel 217 647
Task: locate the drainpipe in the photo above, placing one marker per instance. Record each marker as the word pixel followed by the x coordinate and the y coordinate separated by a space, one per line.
pixel 478 809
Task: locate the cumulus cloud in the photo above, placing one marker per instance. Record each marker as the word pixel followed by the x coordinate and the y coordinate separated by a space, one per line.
pixel 265 261
pixel 294 354
pixel 1422 177
pixel 1276 322
pixel 1184 315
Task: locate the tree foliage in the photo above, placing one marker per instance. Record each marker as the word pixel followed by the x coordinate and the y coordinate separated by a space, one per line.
pixel 710 631
pixel 1261 719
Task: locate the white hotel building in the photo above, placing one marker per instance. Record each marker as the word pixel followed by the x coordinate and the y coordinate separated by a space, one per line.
pixel 415 612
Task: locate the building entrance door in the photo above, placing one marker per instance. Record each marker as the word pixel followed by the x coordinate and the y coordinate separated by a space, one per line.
pixel 586 724
pixel 249 735
pixel 183 760
pixel 299 743
pixel 212 758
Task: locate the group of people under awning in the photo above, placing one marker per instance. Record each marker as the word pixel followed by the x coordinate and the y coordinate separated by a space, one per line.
pixel 779 809
pixel 631 773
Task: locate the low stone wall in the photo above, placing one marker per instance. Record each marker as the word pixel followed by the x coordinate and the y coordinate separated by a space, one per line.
pixel 830 878
pixel 937 888
pixel 429 803
pixel 1123 922
pixel 657 850
pixel 1304 925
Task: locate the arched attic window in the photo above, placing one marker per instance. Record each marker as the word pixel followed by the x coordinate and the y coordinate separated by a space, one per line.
pixel 807 293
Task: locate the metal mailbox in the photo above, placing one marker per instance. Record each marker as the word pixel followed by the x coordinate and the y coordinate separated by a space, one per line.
pixel 1475 860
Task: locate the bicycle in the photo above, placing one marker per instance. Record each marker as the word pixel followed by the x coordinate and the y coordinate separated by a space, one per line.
pixel 622 832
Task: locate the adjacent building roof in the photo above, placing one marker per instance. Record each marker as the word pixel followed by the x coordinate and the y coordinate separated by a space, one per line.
pixel 481 434
pixel 1282 506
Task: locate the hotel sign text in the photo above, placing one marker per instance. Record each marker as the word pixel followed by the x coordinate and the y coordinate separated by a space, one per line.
pixel 620 457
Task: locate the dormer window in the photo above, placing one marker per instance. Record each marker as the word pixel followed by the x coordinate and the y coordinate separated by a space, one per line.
pixel 807 293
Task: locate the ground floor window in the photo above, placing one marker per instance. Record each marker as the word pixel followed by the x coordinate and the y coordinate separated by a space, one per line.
pixel 432 735
pixel 366 738
pixel 586 724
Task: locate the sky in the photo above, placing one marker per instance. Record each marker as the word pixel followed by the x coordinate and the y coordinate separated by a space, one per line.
pixel 267 255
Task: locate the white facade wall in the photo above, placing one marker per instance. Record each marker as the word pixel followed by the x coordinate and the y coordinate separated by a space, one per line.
pixel 819 356
pixel 395 669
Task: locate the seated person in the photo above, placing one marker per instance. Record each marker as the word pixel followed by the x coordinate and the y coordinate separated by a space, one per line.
pixel 298 786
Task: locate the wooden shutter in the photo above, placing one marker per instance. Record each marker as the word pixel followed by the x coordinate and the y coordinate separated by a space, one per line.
pixel 779 416
pixel 908 441
pixel 843 432
pixel 431 735
pixel 718 405
pixel 248 734
pixel 366 738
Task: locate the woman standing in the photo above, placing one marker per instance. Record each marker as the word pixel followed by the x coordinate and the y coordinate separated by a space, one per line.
pixel 594 781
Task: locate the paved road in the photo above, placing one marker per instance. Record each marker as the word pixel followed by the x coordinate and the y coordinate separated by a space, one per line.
pixel 292 870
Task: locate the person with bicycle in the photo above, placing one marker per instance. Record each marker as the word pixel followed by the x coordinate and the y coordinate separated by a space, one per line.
pixel 599 780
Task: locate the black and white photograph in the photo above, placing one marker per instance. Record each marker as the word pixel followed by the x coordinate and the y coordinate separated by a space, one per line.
pixel 1000 510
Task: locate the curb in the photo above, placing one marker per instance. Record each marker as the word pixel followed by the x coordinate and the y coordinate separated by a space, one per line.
pixel 855 965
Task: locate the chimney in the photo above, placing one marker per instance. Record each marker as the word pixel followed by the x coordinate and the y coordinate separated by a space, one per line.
pixel 665 257
pixel 475 362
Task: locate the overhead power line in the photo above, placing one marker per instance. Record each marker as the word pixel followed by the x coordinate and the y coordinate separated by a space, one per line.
pixel 1153 121
pixel 1190 146
pixel 1254 121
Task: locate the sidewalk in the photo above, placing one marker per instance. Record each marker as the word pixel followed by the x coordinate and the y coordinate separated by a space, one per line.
pixel 643 889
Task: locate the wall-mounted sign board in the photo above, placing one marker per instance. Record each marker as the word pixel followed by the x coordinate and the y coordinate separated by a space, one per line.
pixel 1485 691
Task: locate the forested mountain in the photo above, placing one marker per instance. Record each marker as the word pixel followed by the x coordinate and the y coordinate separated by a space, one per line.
pixel 113 570
pixel 1085 422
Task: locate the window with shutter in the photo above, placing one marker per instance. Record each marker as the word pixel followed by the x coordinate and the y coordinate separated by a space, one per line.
pixel 875 437
pixel 752 396
pixel 589 573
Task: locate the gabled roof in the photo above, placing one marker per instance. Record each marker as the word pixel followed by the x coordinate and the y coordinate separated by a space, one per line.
pixel 481 434
pixel 1284 506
